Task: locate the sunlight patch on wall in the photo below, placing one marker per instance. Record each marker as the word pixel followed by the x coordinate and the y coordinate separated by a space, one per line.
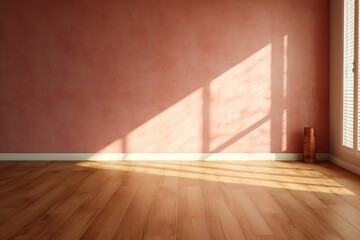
pixel 229 114
pixel 177 129
pixel 240 101
pixel 284 131
pixel 285 82
pixel 116 146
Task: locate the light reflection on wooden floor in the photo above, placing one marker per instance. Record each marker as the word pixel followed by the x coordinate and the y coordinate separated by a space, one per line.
pixel 248 173
pixel 178 200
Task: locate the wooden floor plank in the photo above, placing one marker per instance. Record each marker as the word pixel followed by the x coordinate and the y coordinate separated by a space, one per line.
pixel 313 226
pixel 133 222
pixel 275 217
pixel 77 224
pixel 222 221
pixel 219 210
pixel 162 220
pixel 178 200
pixel 192 222
pixel 330 217
pixel 59 214
pixel 17 223
pixel 107 222
pixel 248 215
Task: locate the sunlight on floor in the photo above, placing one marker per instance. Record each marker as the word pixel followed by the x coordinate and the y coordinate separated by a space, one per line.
pixel 289 176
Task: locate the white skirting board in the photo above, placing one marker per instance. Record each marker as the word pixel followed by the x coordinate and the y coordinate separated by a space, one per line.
pixel 156 156
pixel 345 164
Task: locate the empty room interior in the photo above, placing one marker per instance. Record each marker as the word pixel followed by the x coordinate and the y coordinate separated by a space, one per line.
pixel 180 119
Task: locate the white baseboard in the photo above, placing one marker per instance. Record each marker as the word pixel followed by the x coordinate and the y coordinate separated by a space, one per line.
pixel 345 164
pixel 156 156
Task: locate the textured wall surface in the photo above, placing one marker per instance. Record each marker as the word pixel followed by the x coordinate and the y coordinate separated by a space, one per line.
pixel 162 76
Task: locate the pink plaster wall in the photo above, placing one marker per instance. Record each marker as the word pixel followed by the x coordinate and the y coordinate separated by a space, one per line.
pixel 161 76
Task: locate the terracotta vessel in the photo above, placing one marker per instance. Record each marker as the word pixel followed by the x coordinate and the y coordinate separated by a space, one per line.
pixel 309 145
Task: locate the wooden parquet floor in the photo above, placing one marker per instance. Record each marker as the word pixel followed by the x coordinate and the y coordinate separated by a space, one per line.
pixel 178 200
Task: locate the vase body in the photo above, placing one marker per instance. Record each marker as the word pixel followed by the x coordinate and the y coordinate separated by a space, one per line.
pixel 309 145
